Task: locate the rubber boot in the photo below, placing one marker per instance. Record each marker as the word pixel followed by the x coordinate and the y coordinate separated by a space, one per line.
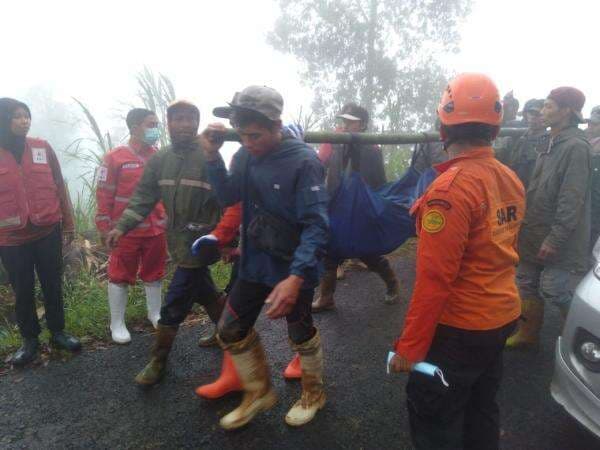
pixel 208 335
pixel 387 274
pixel 325 301
pixel 117 302
pixel 293 371
pixel 26 353
pixel 313 395
pixel 153 301
pixel 156 368
pixel 527 336
pixel 249 359
pixel 228 381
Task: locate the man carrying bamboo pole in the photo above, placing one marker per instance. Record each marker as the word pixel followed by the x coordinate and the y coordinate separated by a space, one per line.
pixel 280 182
pixel 368 161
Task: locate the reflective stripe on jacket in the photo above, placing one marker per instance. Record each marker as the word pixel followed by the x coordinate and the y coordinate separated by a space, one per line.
pixel 177 176
pixel 467 222
pixel 28 191
pixel 118 176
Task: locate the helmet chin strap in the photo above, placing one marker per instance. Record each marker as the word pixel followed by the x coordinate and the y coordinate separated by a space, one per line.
pixel 447 142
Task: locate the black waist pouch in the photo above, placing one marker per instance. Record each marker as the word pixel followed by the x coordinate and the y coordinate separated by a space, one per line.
pixel 273 235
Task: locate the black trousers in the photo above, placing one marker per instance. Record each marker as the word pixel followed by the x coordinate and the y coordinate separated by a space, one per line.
pixel 235 269
pixel 22 262
pixel 243 307
pixel 189 286
pixel 464 415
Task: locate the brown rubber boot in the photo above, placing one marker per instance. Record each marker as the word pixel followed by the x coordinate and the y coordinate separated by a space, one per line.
pixel 208 334
pixel 249 359
pixel 325 301
pixel 313 395
pixel 156 368
pixel 387 274
pixel 527 336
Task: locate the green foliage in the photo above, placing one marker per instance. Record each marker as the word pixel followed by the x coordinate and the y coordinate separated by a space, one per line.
pixel 397 159
pixel 156 93
pixel 86 308
pixel 381 53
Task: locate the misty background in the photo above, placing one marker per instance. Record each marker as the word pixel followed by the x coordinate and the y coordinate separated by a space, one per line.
pixel 393 56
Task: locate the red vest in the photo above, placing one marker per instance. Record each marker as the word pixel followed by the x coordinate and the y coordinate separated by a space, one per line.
pixel 118 178
pixel 28 191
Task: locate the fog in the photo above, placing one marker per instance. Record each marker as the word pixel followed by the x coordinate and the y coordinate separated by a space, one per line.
pixel 210 49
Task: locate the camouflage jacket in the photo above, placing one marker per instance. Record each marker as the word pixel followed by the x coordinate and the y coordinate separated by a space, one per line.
pixel 559 202
pixel 178 177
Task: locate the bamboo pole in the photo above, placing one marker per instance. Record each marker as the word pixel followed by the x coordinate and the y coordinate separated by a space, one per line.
pixel 318 137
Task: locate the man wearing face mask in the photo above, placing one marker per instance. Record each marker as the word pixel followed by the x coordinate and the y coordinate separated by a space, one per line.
pixel 144 249
pixel 177 176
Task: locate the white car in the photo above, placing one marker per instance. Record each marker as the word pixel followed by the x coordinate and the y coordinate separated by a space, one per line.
pixel 576 381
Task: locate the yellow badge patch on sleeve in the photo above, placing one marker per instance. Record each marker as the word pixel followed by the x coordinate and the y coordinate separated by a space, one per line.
pixel 434 221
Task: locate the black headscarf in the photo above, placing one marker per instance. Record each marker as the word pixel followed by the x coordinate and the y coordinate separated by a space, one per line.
pixel 8 140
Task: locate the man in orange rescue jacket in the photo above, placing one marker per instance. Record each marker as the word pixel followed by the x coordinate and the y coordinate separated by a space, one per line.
pixel 465 302
pixel 144 249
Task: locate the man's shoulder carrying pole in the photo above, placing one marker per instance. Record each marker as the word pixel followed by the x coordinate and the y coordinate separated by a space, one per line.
pixel 320 137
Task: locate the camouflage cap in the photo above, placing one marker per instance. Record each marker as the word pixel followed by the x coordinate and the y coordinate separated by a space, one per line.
pixel 594 115
pixel 261 99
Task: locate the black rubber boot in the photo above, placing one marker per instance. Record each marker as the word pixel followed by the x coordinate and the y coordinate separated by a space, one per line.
pixel 26 353
pixel 65 341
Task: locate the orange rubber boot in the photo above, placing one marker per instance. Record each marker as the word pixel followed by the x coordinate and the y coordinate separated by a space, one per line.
pixel 293 371
pixel 227 382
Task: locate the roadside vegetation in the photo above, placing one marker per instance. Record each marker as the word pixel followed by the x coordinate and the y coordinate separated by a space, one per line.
pixel 86 306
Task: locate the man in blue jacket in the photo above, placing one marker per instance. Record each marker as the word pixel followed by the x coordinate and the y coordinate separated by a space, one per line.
pixel 280 182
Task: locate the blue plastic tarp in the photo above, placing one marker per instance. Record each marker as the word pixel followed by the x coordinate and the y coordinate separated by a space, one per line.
pixel 366 222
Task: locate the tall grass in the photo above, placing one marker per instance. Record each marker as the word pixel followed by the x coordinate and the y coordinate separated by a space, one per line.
pixel 86 309
pixel 157 93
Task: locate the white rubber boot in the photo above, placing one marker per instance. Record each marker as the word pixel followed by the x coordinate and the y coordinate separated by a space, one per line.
pixel 117 301
pixel 153 301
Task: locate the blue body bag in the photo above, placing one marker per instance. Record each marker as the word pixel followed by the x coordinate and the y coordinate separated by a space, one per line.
pixel 367 222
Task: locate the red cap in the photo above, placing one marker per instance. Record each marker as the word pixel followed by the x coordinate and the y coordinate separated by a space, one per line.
pixel 569 97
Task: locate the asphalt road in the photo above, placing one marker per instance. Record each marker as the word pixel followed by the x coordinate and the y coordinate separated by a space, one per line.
pixel 91 402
